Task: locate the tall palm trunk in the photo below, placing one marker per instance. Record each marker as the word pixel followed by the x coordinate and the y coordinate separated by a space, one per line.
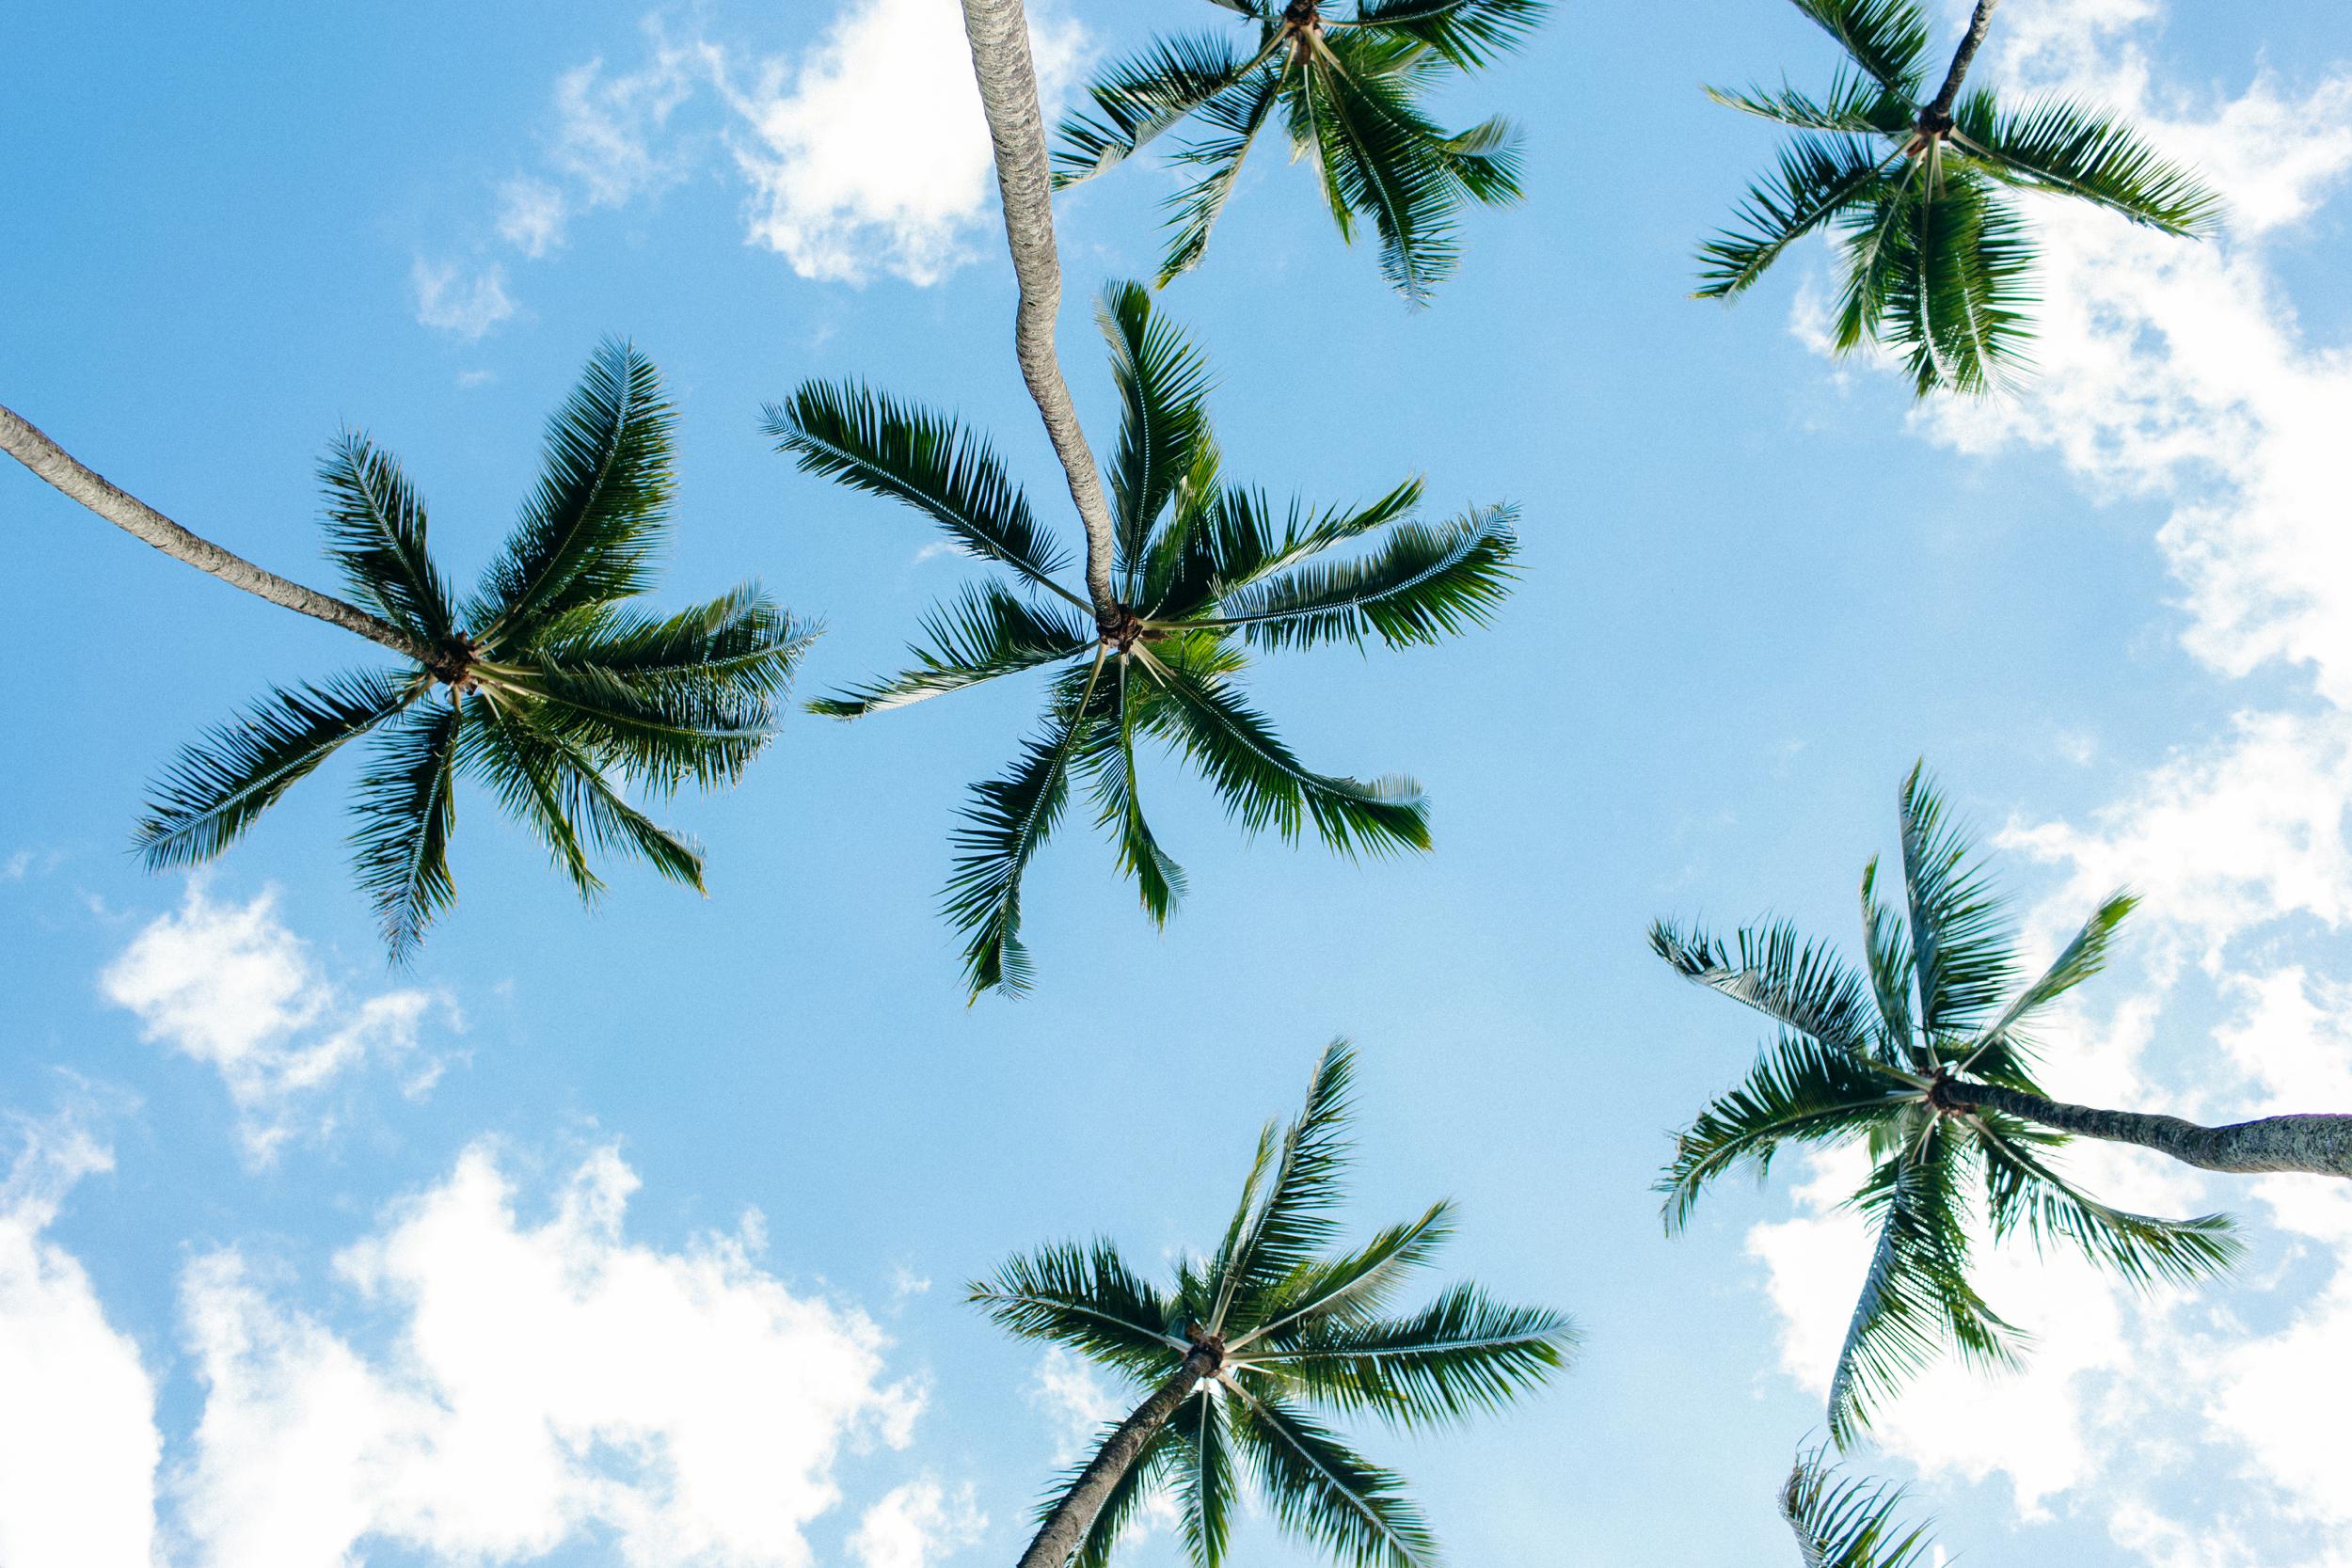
pixel 1065 1529
pixel 22 439
pixel 1939 114
pixel 2318 1145
pixel 999 34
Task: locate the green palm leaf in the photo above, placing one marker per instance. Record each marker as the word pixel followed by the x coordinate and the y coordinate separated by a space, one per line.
pixel 1194 210
pixel 2026 1193
pixel 1850 1523
pixel 1352 1290
pixel 1801 1091
pixel 984 634
pixel 1161 380
pixel 1960 942
pixel 406 808
pixel 1855 104
pixel 1425 584
pixel 558 789
pixel 1885 37
pixel 873 443
pixel 1110 763
pixel 2062 147
pixel 1138 99
pixel 1960 287
pixel 1799 983
pixel 1818 178
pixel 376 530
pixel 1381 157
pixel 1465 33
pixel 1203 1470
pixel 217 788
pixel 1324 1493
pixel 1295 1218
pixel 1463 1355
pixel 741 642
pixel 1085 1298
pixel 1999 1054
pixel 590 531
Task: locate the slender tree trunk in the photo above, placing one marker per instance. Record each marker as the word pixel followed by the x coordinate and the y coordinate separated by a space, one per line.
pixel 2316 1145
pixel 999 33
pixel 25 441
pixel 1938 115
pixel 1065 1529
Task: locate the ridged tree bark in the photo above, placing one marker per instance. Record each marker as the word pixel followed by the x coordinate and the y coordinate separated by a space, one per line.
pixel 1065 1529
pixel 2316 1145
pixel 999 33
pixel 1938 115
pixel 25 441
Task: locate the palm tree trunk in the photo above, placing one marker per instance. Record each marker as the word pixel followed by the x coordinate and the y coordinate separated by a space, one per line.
pixel 2317 1145
pixel 999 33
pixel 24 440
pixel 1066 1528
pixel 1939 114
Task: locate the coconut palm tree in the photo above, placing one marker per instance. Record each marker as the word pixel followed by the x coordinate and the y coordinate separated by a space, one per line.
pixel 1244 1348
pixel 548 685
pixel 1351 91
pixel 1926 1058
pixel 1850 1523
pixel 1937 262
pixel 1202 571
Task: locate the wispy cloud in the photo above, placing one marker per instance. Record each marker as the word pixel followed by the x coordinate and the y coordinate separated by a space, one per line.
pixel 231 986
pixel 916 1525
pixel 466 305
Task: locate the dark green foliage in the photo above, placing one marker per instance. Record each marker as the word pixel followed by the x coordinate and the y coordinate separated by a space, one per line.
pixel 550 688
pixel 1861 1059
pixel 1204 571
pixel 1934 259
pixel 1305 1330
pixel 1350 90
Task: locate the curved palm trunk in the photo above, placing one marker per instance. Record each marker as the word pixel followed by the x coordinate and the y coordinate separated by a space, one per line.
pixel 1065 1529
pixel 2319 1145
pixel 24 440
pixel 999 34
pixel 1939 113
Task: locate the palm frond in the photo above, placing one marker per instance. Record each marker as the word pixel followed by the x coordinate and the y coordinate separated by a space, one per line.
pixel 1855 104
pixel 1327 1495
pixel 872 442
pixel 1262 782
pixel 1130 1492
pixel 1850 1523
pixel 1960 287
pixel 2057 145
pixel 1887 953
pixel 1878 243
pixel 1137 98
pixel 1800 1091
pixel 1962 951
pixel 1819 178
pixel 2027 1194
pixel 375 529
pixel 407 806
pixel 1161 379
pixel 1294 1219
pixel 1202 1465
pixel 1008 819
pixel 1467 33
pixel 1352 1290
pixel 1423 585
pixel 217 788
pixel 741 642
pixel 1999 1053
pixel 1803 985
pixel 1087 1299
pixel 1195 208
pixel 1232 541
pixel 1885 37
pixel 984 633
pixel 559 789
pixel 589 532
pixel 1110 764
pixel 1464 1354
pixel 1382 158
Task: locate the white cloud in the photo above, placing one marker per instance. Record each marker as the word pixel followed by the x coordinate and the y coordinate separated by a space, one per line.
pixel 231 986
pixel 531 215
pixel 464 307
pixel 546 1379
pixel 916 1525
pixel 609 130
pixel 874 156
pixel 78 1445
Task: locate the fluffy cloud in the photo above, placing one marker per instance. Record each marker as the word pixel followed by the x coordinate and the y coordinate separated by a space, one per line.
pixel 465 307
pixel 545 1379
pixel 874 156
pixel 914 1525
pixel 230 986
pixel 79 1448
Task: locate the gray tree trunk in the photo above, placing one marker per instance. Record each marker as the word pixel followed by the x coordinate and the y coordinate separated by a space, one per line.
pixel 1939 113
pixel 22 439
pixel 2317 1145
pixel 1066 1528
pixel 999 34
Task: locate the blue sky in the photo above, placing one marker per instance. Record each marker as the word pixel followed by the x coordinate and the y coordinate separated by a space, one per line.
pixel 503 1257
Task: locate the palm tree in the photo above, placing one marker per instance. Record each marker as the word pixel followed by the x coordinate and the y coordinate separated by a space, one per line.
pixel 1850 1523
pixel 1937 265
pixel 1202 571
pixel 1350 90
pixel 547 686
pixel 1247 1344
pixel 1928 1062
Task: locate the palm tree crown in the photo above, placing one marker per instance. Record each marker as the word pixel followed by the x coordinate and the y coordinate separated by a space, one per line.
pixel 1849 1522
pixel 1884 1058
pixel 1204 570
pixel 1349 89
pixel 1271 1326
pixel 1937 262
pixel 546 686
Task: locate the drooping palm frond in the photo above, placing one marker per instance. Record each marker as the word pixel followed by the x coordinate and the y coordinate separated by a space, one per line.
pixel 2074 151
pixel 1195 208
pixel 1137 100
pixel 407 807
pixel 1819 178
pixel 1855 104
pixel 1802 985
pixel 590 531
pixel 375 529
pixel 1383 159
pixel 1109 761
pixel 2027 1194
pixel 1206 1485
pixel 1960 287
pixel 1801 1091
pixel 874 443
pixel 1326 1493
pixel 1850 1523
pixel 985 633
pixel 216 788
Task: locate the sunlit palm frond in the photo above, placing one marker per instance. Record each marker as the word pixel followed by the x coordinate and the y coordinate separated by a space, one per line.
pixel 1465 33
pixel 1800 1091
pixel 2064 148
pixel 1850 1523
pixel 1803 985
pixel 1463 1355
pixel 2027 1194
pixel 1961 947
pixel 1819 178
pixel 1087 1299
pixel 1137 98
pixel 1161 379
